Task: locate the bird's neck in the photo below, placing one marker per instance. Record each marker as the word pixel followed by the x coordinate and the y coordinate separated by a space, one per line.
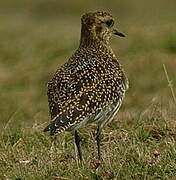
pixel 90 39
pixel 97 47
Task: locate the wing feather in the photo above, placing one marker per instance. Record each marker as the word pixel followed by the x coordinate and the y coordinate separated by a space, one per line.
pixel 79 90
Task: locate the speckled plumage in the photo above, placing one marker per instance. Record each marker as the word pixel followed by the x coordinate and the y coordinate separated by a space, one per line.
pixel 92 84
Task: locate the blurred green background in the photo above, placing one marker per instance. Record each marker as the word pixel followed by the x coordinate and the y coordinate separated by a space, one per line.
pixel 36 37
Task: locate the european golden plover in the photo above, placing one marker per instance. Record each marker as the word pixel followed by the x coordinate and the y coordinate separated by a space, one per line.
pixel 91 85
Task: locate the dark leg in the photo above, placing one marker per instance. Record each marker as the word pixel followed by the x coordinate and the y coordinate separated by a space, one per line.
pixel 77 142
pixel 98 139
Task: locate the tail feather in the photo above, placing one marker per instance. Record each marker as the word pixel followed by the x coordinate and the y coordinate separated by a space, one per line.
pixel 52 128
pixel 58 125
pixel 47 129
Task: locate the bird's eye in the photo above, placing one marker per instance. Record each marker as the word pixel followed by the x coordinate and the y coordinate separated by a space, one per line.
pixel 109 23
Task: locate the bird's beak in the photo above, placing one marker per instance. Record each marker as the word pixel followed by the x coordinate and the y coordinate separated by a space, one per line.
pixel 116 32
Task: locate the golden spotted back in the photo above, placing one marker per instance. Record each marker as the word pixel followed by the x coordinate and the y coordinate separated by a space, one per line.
pixel 90 81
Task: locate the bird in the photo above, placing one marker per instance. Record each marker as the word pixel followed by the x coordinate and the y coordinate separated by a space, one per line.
pixel 91 85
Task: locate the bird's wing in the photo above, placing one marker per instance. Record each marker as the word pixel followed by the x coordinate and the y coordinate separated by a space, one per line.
pixel 78 91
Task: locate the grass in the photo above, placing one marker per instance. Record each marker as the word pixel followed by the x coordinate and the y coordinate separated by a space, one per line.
pixel 134 147
pixel 171 43
pixel 141 141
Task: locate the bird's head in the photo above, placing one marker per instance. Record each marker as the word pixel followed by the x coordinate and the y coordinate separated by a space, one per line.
pixel 98 26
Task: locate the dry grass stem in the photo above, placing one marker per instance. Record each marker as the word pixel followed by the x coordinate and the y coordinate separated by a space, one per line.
pixel 170 84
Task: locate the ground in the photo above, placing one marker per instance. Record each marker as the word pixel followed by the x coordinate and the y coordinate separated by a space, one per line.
pixel 36 37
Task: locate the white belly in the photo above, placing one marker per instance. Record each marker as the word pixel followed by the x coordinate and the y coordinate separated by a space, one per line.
pixel 102 117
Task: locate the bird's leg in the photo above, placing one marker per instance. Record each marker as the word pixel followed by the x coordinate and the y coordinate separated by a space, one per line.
pixel 98 139
pixel 77 142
